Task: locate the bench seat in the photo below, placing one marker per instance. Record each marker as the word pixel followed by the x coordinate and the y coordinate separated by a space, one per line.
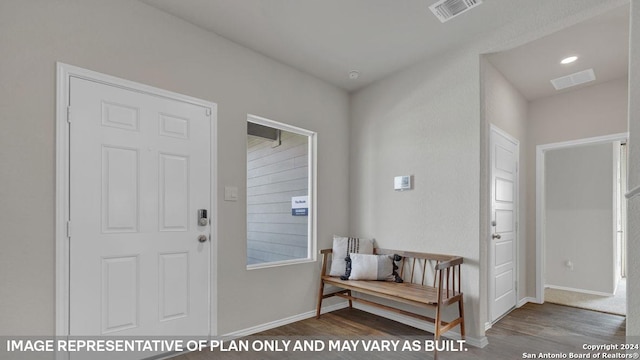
pixel 416 269
pixel 409 293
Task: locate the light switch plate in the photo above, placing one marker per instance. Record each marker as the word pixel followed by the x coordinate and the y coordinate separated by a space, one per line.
pixel 230 193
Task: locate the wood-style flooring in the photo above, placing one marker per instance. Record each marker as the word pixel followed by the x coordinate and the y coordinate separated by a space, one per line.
pixel 531 329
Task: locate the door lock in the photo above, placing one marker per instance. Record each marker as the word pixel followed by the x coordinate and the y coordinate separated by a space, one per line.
pixel 202 238
pixel 203 220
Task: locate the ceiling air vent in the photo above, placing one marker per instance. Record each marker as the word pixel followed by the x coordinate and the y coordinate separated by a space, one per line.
pixel 448 9
pixel 574 79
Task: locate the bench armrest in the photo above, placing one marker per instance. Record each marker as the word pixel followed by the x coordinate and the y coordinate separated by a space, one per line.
pixel 447 264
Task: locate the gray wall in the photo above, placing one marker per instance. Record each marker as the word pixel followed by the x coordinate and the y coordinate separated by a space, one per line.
pixel 579 208
pixel 425 121
pixel 274 175
pixel 132 40
pixel 505 107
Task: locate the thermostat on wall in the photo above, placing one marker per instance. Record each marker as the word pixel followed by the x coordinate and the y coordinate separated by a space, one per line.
pixel 401 183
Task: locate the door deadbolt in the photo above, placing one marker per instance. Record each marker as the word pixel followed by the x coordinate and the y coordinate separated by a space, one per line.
pixel 202 217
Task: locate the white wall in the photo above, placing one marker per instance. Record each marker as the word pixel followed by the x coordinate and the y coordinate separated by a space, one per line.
pixel 131 40
pixel 591 111
pixel 633 247
pixel 588 112
pixel 579 209
pixel 506 108
pixel 413 124
pixel 426 121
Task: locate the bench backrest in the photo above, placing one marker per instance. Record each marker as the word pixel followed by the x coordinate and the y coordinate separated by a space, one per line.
pixel 436 270
pixel 429 269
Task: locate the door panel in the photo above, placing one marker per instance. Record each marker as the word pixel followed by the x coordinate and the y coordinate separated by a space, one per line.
pixel 504 253
pixel 504 190
pixel 173 279
pixel 139 172
pixel 174 192
pixel 504 284
pixel 119 305
pixel 120 189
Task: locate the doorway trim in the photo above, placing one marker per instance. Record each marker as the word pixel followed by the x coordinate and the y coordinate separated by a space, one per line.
pixel 64 73
pixel 540 213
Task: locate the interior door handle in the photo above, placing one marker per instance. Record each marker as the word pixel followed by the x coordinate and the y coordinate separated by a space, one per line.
pixel 496 236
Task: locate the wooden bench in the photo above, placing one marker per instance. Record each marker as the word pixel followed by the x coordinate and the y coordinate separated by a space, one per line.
pixel 417 270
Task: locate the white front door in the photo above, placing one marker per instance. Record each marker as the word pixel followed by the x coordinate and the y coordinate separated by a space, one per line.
pixel 502 242
pixel 139 172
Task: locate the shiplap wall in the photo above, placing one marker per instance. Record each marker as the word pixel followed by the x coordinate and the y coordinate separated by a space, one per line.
pixel 274 176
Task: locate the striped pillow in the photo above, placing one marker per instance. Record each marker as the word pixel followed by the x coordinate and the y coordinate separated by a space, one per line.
pixel 342 247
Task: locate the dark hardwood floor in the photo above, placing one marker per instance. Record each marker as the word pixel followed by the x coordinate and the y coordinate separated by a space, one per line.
pixel 531 329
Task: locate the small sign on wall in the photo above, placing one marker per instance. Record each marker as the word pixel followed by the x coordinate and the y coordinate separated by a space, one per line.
pixel 300 206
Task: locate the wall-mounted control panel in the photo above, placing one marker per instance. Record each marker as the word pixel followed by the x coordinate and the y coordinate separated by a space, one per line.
pixel 402 183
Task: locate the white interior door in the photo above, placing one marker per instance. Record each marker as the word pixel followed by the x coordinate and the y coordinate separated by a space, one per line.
pixel 502 242
pixel 139 172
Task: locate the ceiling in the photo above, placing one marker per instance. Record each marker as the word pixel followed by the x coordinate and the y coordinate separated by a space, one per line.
pixel 330 38
pixel 601 43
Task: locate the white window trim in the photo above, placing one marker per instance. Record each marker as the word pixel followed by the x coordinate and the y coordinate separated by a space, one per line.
pixel 312 223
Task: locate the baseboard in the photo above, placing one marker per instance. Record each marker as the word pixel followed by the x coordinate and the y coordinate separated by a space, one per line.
pixel 291 319
pixel 488 325
pixel 590 292
pixel 526 300
pixel 422 325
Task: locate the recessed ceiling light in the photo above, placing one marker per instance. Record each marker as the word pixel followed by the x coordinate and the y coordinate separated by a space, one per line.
pixel 568 60
pixel 354 74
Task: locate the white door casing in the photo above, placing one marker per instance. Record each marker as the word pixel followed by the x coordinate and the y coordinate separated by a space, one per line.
pixel 504 153
pixel 140 167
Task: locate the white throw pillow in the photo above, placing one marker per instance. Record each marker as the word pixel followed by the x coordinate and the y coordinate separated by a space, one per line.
pixel 343 246
pixel 372 267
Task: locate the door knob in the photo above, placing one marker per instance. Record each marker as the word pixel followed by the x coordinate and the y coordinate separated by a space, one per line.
pixel 202 238
pixel 496 236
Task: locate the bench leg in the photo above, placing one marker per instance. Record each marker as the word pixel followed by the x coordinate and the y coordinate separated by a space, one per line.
pixel 320 295
pixel 436 334
pixel 436 331
pixel 461 312
pixel 350 302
